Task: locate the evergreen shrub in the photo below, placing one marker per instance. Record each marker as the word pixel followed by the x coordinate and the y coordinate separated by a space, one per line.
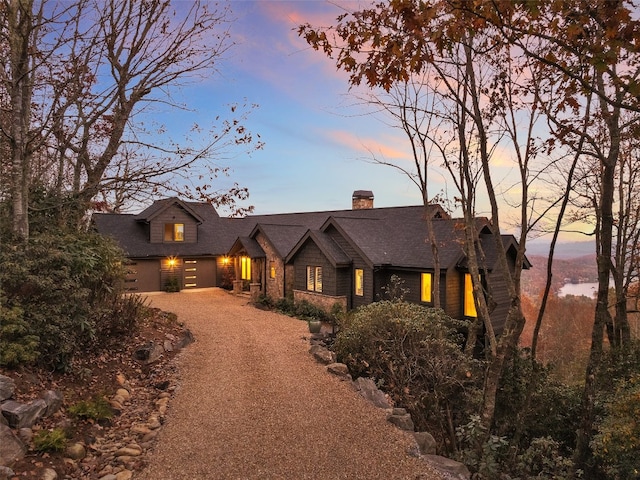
pixel 415 354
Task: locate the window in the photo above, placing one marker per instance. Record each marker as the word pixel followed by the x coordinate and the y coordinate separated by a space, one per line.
pixel 174 232
pixel 272 269
pixel 469 303
pixel 359 277
pixel 314 279
pixel 245 263
pixel 425 287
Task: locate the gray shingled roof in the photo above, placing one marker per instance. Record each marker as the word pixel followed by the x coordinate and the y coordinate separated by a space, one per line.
pixel 282 237
pixel 131 231
pixel 249 245
pixel 384 236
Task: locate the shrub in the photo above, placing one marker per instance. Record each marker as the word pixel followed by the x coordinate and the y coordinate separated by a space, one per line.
pixel 543 459
pixel 95 409
pixel 285 306
pixel 121 315
pixel 553 410
pixel 50 440
pixel 264 301
pixel 308 311
pixel 17 345
pixel 617 442
pixel 482 453
pixel 172 284
pixel 395 290
pixel 415 354
pixel 64 286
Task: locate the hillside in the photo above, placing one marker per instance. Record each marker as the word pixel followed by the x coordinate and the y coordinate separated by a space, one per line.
pixel 565 270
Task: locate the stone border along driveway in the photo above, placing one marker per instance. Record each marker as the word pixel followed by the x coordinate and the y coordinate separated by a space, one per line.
pixel 252 403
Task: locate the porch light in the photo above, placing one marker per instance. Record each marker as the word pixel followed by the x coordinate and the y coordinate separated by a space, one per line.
pixel 172 262
pixel 225 260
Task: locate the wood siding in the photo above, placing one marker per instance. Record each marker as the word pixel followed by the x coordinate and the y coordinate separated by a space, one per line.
pixel 358 262
pixel 173 214
pixel 498 287
pixel 453 284
pixel 311 255
pixel 225 273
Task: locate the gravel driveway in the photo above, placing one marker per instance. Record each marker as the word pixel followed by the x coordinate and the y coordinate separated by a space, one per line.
pixel 253 404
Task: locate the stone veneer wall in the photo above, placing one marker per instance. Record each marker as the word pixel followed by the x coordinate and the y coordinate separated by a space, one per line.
pixel 274 287
pixel 325 302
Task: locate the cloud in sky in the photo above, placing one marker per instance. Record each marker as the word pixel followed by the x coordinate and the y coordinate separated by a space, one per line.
pixel 368 146
pixel 319 137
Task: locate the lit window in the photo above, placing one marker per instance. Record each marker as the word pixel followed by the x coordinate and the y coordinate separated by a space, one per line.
pixel 314 279
pixel 318 279
pixel 469 303
pixel 425 287
pixel 272 270
pixel 359 276
pixel 174 232
pixel 245 263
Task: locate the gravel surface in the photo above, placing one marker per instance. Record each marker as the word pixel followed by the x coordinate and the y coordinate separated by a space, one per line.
pixel 252 403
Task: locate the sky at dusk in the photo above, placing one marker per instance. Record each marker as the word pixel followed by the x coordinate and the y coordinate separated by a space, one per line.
pixel 319 138
pixel 318 141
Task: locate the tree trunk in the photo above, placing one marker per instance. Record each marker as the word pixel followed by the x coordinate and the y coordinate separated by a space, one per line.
pixel 20 27
pixel 604 245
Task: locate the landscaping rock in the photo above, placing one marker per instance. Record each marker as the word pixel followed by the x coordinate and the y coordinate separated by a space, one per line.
pixel 12 448
pixel 149 353
pixel 49 474
pixel 20 415
pixel 7 387
pixel 53 399
pixel 6 473
pixel 368 389
pixel 455 470
pixel 338 369
pixel 76 451
pixel 426 443
pixel 401 419
pixel 187 339
pixel 322 354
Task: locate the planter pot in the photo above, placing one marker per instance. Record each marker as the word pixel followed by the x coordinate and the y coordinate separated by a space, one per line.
pixel 315 326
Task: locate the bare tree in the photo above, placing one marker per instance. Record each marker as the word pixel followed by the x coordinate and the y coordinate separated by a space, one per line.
pixel 94 70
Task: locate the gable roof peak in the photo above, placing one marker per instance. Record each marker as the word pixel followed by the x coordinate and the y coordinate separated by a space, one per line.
pixel 159 206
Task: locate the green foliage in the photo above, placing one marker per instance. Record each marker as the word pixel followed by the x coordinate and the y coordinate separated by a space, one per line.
pixel 17 345
pixel 303 310
pixel 543 459
pixel 285 306
pixel 121 315
pixel 482 453
pixel 415 354
pixel 395 290
pixel 265 302
pixel 308 311
pixel 50 440
pixel 172 284
pixel 63 290
pixel 617 443
pixel 97 409
pixel 553 410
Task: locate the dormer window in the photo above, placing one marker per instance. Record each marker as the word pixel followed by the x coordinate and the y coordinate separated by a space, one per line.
pixel 174 232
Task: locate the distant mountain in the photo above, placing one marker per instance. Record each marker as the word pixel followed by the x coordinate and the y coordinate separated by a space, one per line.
pixel 564 250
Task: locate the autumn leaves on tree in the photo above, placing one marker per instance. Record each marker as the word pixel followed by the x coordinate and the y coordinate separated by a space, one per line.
pixel 554 84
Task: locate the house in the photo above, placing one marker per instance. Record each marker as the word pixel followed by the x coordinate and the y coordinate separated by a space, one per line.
pixel 168 243
pixel 344 256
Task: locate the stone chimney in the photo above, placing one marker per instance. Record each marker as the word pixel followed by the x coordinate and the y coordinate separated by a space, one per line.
pixel 362 199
